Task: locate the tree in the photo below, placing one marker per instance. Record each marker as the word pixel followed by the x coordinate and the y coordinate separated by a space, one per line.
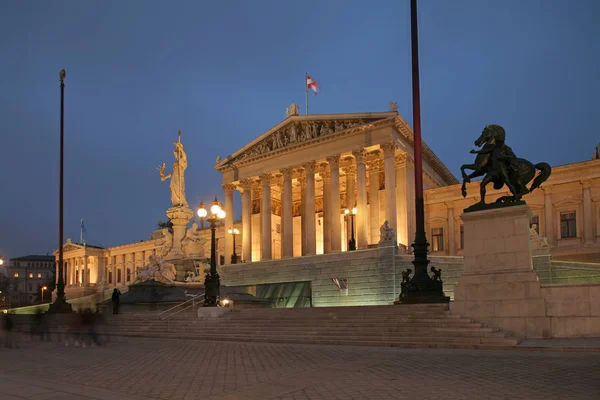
pixel 162 224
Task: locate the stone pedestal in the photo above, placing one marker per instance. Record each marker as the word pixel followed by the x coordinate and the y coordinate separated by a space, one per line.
pixel 498 285
pixel 180 217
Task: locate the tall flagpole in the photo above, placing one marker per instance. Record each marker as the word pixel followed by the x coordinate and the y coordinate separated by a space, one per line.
pixel 421 288
pixel 81 231
pixel 306 87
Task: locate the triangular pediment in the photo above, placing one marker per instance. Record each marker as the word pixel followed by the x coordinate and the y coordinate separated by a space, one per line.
pixel 299 130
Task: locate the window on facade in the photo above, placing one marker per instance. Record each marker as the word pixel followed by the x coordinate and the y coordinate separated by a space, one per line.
pixel 118 275
pixel 437 235
pixel 535 220
pixel 39 275
pixel 462 236
pixel 128 274
pixel 16 275
pixel 31 274
pixel 568 225
pixel 109 276
pixel 29 287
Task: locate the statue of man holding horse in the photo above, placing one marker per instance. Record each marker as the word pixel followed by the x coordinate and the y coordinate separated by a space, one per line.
pixel 497 163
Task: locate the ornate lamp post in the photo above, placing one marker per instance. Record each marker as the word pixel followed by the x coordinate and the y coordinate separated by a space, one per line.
pixel 60 303
pixel 212 284
pixel 43 288
pixel 352 241
pixel 234 232
pixel 421 288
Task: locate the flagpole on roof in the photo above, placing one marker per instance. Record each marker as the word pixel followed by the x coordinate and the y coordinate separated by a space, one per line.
pixel 81 231
pixel 306 87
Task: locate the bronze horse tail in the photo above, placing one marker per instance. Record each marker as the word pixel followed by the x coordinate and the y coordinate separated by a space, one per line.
pixel 545 171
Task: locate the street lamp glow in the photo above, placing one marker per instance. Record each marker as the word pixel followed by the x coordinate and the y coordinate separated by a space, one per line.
pixel 1 261
pixel 221 213
pixel 215 208
pixel 354 211
pixel 346 211
pixel 202 213
pixel 236 231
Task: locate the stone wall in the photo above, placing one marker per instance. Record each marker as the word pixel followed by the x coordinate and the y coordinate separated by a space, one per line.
pixel 370 273
pixel 572 310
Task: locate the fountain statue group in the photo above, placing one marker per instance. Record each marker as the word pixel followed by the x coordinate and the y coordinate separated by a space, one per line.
pixel 177 242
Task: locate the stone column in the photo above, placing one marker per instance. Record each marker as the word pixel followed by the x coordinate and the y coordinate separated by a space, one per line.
pixel 362 235
pixel 451 237
pixel 287 216
pixel 548 215
pixel 401 200
pixel 302 184
pixel 114 270
pixel 86 273
pixel 309 209
pixel 72 270
pixel 228 188
pixel 123 269
pixel 336 229
pixel 100 272
pixel 265 218
pixel 389 150
pixel 374 200
pixel 350 197
pixel 326 176
pixel 246 220
pixel 588 212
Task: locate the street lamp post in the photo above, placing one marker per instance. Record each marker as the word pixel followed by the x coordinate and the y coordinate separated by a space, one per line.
pixel 60 304
pixel 212 284
pixel 352 241
pixel 421 288
pixel 43 288
pixel 234 232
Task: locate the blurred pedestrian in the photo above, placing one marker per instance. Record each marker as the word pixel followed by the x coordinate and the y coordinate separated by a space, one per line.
pixel 116 300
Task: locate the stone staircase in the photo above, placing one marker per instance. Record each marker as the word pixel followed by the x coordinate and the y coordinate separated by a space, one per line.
pixel 423 325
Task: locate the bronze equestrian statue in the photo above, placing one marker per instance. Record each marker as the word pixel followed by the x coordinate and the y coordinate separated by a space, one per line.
pixel 498 164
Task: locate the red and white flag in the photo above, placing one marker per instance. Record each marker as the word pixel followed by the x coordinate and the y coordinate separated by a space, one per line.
pixel 310 84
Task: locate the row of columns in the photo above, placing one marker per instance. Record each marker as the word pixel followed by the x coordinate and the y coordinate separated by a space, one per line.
pixel 356 184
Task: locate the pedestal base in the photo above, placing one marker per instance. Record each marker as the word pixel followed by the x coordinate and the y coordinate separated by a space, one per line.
pixel 180 217
pixel 60 306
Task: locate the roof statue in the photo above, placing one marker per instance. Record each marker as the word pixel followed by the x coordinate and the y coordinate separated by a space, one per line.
pixel 597 154
pixel 177 176
pixel 393 106
pixel 497 163
pixel 291 110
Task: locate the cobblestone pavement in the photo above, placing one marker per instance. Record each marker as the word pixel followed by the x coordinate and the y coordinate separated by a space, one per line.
pixel 132 369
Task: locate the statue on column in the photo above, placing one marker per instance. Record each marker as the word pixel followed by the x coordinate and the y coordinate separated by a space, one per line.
pixel 177 176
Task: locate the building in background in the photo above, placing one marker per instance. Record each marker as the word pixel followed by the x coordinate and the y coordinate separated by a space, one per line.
pixel 25 276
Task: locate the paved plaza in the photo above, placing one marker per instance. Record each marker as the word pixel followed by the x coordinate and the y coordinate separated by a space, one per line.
pixel 129 369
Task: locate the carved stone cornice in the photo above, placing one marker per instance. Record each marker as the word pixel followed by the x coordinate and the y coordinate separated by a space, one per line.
pixel 360 155
pixel 228 188
pixel 586 184
pixel 389 149
pixel 298 133
pixel 334 161
pixel 287 172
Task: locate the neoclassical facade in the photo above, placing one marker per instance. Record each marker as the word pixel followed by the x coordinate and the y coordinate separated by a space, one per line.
pixel 297 180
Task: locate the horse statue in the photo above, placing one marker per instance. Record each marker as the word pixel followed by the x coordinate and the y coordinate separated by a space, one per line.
pixel 498 164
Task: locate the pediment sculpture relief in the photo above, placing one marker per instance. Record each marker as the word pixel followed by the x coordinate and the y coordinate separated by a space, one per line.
pixel 71 247
pixel 299 132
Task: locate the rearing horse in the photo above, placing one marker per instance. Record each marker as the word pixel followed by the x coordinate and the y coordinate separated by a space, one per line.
pixel 516 177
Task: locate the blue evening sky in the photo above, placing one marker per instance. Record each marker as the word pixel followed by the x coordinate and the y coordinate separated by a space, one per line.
pixel 224 72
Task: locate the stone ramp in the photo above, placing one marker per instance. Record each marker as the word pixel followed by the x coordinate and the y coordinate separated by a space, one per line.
pixel 411 326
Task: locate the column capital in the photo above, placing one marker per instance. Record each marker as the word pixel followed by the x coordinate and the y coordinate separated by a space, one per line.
pixel 449 205
pixel 277 180
pixel 287 172
pixel 334 161
pixel 246 183
pixel 265 179
pixel 374 165
pixel 360 155
pixel 586 184
pixel 547 189
pixel 389 149
pixel 350 170
pixel 401 160
pixel 302 180
pixel 228 188
pixel 326 175
pixel 309 167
